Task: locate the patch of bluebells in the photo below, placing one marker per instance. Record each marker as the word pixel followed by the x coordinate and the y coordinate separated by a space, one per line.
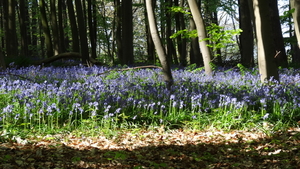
pixel 79 89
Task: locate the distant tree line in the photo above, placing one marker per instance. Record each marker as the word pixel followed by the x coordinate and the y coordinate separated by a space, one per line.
pixel 200 32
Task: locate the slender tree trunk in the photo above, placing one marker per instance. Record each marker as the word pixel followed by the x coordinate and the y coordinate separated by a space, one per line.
pixel 82 32
pixel 61 20
pixel 158 45
pixel 46 29
pixel 171 52
pixel 91 28
pixel 2 61
pixel 295 4
pixel 150 44
pixel 11 34
pixel 74 28
pixel 34 28
pixel 24 25
pixel 127 32
pixel 195 53
pixel 206 53
pixel 54 26
pixel 266 48
pixel 118 33
pixel 281 58
pixel 246 37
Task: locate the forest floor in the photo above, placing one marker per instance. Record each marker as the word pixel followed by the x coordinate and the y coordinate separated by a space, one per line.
pixel 155 148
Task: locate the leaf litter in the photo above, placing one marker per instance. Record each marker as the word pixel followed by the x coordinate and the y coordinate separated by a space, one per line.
pixel 156 148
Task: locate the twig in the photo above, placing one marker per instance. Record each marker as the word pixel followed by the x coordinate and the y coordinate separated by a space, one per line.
pixel 277 53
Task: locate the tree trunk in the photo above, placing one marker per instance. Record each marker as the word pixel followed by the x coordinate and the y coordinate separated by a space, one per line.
pixel 46 29
pixel 34 28
pixel 2 61
pixel 11 34
pixel 61 24
pixel 281 58
pixel 82 32
pixel 206 53
pixel 127 32
pixel 24 26
pixel 150 44
pixel 246 37
pixel 158 45
pixel 118 33
pixel 91 23
pixel 74 28
pixel 295 4
pixel 266 48
pixel 195 53
pixel 54 27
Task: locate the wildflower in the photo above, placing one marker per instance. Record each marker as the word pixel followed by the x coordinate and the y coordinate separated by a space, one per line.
pixel 266 116
pixel 118 111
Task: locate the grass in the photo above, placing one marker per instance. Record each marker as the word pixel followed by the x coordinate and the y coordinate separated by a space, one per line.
pixel 77 99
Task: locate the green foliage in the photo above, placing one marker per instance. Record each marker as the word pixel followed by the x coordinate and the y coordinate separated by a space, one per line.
pixel 179 9
pixel 242 68
pixel 185 34
pixel 219 37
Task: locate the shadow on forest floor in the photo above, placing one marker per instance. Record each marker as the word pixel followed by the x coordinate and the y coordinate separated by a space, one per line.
pixel 157 149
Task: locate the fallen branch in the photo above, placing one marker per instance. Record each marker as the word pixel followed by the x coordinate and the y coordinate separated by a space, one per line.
pixel 67 55
pixel 131 68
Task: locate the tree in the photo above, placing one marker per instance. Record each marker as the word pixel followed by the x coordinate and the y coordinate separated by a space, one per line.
pixel 281 57
pixel 181 41
pixel 2 62
pixel 54 26
pixel 266 48
pixel 295 4
pixel 92 26
pixel 10 28
pixel 24 25
pixel 82 32
pixel 195 53
pixel 62 16
pixel 127 32
pixel 206 53
pixel 118 29
pixel 246 37
pixel 150 44
pixel 158 45
pixel 74 28
pixel 46 29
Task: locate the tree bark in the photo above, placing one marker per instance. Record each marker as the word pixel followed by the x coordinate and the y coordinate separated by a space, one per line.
pixel 74 28
pixel 54 27
pixel 118 27
pixel 206 53
pixel 246 37
pixel 82 32
pixel 195 53
pixel 91 28
pixel 61 24
pixel 2 61
pixel 150 44
pixel 11 34
pixel 266 48
pixel 46 29
pixel 127 32
pixel 24 26
pixel 281 58
pixel 158 45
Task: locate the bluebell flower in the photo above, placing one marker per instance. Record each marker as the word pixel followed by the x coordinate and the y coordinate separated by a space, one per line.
pixel 266 116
